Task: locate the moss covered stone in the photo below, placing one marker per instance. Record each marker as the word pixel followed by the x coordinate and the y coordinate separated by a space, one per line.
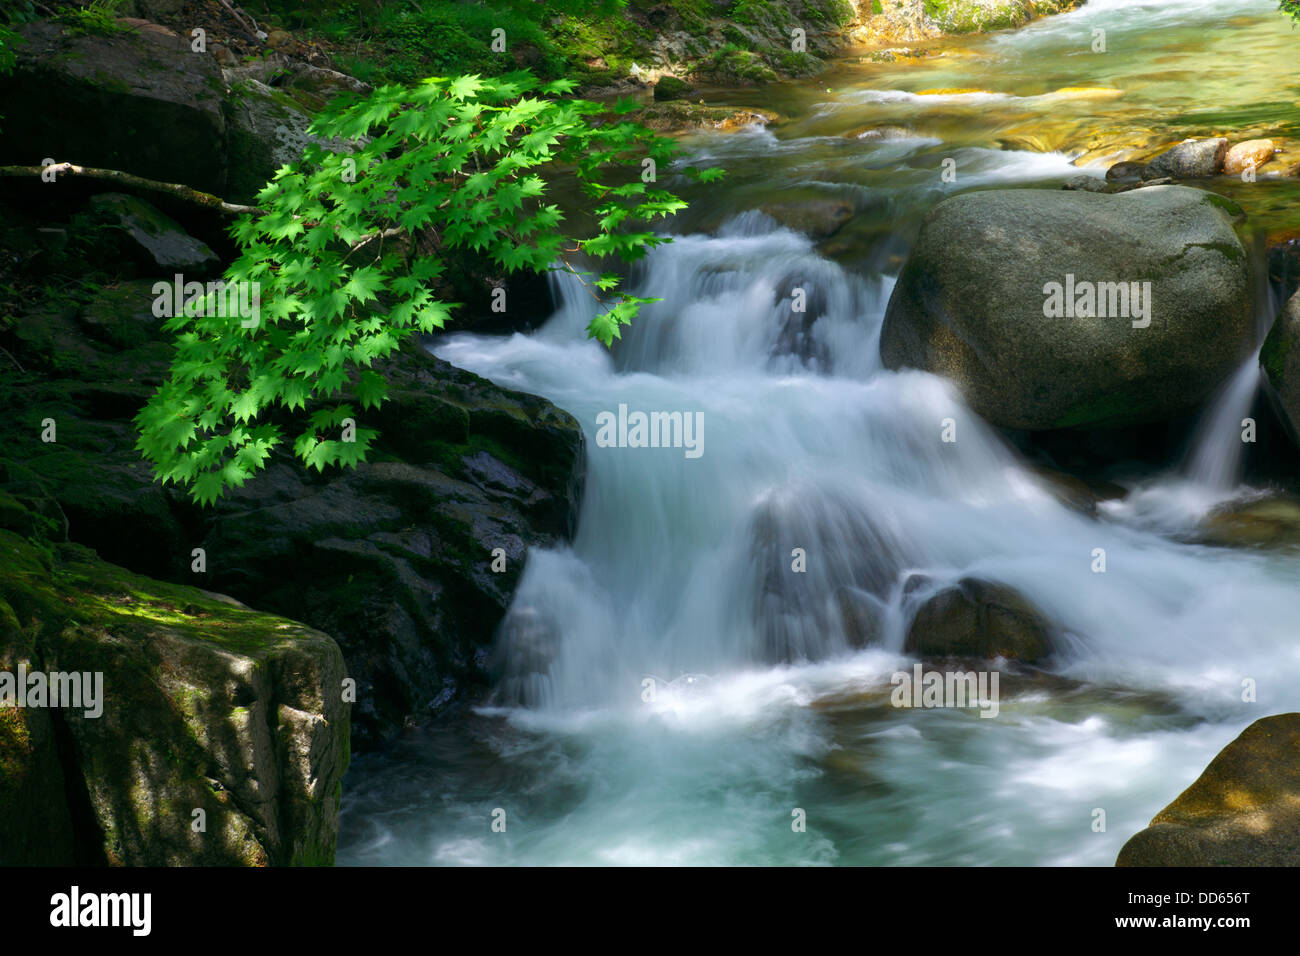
pixel 1244 810
pixel 207 706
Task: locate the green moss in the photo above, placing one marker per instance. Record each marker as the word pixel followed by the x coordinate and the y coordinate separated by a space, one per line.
pixel 1273 354
pixel 1224 203
pixel 1115 408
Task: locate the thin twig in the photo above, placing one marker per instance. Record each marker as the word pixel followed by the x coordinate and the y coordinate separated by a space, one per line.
pixel 247 29
pixel 9 355
pixel 186 193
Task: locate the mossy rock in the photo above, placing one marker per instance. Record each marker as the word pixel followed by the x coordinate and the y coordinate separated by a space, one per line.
pixel 1244 810
pixel 671 88
pixel 207 706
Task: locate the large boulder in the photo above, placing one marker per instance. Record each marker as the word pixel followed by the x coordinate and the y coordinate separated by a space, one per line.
pixel 1280 360
pixel 979 619
pixel 212 734
pixel 139 100
pixel 1244 810
pixel 995 296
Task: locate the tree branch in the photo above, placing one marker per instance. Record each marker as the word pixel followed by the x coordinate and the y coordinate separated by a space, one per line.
pixel 186 193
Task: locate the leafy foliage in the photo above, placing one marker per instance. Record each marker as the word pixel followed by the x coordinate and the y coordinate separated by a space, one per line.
pixel 1291 8
pixel 99 18
pixel 347 250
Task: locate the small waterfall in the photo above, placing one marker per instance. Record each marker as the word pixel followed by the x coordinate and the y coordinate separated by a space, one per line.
pixel 1214 463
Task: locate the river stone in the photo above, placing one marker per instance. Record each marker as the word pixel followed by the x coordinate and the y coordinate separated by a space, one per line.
pixel 139 101
pixel 970 302
pixel 977 618
pixel 1195 159
pixel 159 241
pixel 1251 154
pixel 1244 810
pixel 1088 184
pixel 1280 359
pixel 817 217
pixel 1269 522
pixel 1125 172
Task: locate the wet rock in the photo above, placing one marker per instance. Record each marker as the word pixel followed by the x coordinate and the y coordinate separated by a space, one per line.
pixel 157 240
pixel 69 92
pixel 1280 360
pixel 1271 522
pixel 1089 184
pixel 981 301
pixel 852 562
pixel 1244 810
pixel 878 133
pixel 1194 159
pixel 1125 172
pixel 1284 268
pixel 818 217
pixel 1248 155
pixel 894 54
pixel 983 619
pixel 526 646
pixel 1078 493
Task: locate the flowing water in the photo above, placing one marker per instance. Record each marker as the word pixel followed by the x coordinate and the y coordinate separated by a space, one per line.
pixel 678 586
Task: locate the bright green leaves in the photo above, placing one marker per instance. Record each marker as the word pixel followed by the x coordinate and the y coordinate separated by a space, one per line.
pixel 346 252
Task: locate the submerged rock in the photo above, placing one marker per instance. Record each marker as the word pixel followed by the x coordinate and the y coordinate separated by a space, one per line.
pixel 851 561
pixel 1272 522
pixel 1244 810
pixel 1052 309
pixel 814 216
pixel 982 619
